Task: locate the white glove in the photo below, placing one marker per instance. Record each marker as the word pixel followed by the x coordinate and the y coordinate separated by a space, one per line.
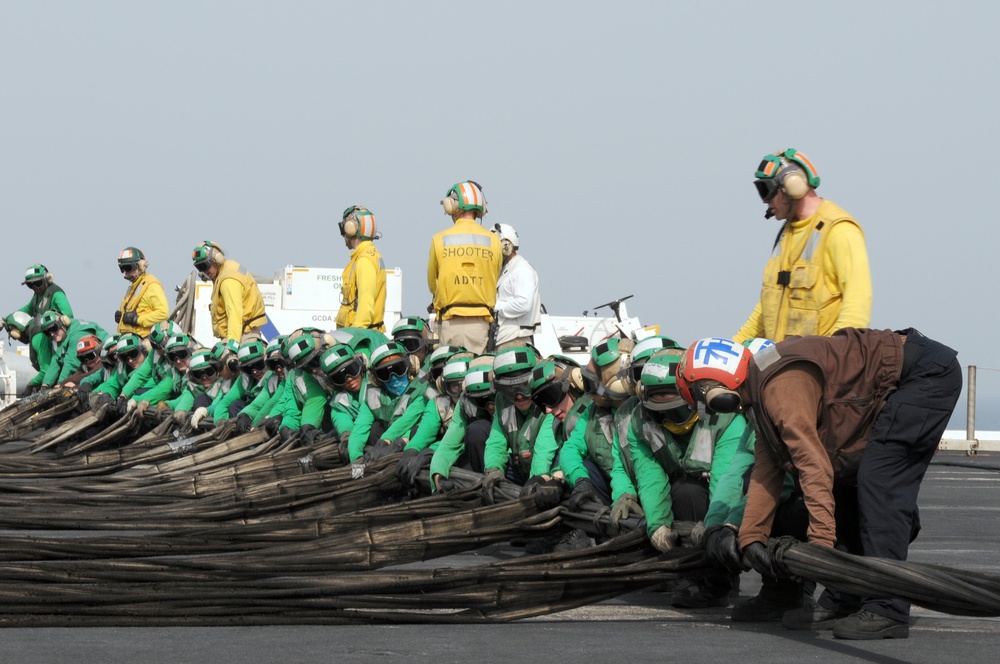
pixel 198 415
pixel 130 406
pixel 358 469
pixel 141 407
pixel 698 533
pixel 663 539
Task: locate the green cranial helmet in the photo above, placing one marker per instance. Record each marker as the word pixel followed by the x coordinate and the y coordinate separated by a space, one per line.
pixel 514 365
pixel 453 377
pixel 109 351
pixel 642 352
pixel 555 368
pixel 17 325
pixel 478 383
pixel 159 333
pixel 36 274
pixel 440 357
pixel 50 320
pixel 178 342
pixel 250 352
pixel 130 256
pixel 128 343
pixel 203 365
pixel 223 348
pixel 336 357
pixel 410 326
pixel 301 351
pixel 274 345
pixel 386 351
pixel 658 391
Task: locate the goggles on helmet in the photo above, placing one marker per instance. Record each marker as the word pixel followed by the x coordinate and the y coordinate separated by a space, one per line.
pixel 385 372
pixel 202 266
pixel 274 363
pixel 410 344
pixel 512 387
pixel 203 373
pixel 351 369
pixel 129 355
pixel 51 328
pixel 127 267
pixel 766 189
pixel 550 395
pixel 480 400
pixel 253 367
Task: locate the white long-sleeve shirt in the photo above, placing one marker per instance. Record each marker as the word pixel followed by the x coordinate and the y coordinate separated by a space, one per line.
pixel 519 306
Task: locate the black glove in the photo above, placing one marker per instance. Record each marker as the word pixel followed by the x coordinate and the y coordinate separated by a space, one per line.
pixel 103 398
pixel 118 316
pixel 583 491
pixel 308 434
pixel 379 450
pixel 30 389
pixel 121 403
pixel 490 481
pixel 271 425
pixel 243 422
pixel 286 434
pixel 530 487
pixel 397 445
pixel 446 486
pixel 83 394
pixel 342 447
pixel 130 318
pixel 757 556
pixel 403 466
pixel 722 548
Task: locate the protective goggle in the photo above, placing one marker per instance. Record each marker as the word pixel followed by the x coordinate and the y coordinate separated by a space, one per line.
pixel 550 395
pixel 88 357
pixel 130 267
pixel 274 363
pixel 203 373
pixel 345 373
pixel 128 355
pixel 233 364
pixel 177 355
pixel 253 367
pixel 453 388
pixel 34 284
pixel 385 372
pixel 514 390
pixel 767 189
pixel 50 329
pixel 202 266
pixel 663 399
pixel 410 344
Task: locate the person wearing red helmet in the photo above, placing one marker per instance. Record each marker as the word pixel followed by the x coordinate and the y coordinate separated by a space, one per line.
pixel 857 417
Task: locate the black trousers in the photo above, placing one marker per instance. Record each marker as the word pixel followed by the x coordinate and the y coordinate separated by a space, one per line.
pixel 902 442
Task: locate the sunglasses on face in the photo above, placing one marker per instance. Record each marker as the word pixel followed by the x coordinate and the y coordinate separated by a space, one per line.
pixel 127 268
pixel 385 372
pixel 88 357
pixel 350 370
pixel 549 396
pixel 177 355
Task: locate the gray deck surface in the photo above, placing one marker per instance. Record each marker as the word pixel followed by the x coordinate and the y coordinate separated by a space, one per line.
pixel 959 511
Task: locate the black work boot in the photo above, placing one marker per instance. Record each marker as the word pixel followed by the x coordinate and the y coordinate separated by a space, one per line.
pixel 865 625
pixel 771 603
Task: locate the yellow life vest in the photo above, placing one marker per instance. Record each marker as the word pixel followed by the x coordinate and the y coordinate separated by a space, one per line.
pixel 253 301
pixel 350 314
pixel 463 271
pixel 797 298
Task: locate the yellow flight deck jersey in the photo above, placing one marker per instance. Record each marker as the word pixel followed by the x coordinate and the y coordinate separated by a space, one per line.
pixel 237 305
pixel 463 269
pixel 817 280
pixel 145 296
pixel 362 295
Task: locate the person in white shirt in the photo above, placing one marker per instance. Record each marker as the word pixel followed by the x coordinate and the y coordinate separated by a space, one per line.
pixel 519 306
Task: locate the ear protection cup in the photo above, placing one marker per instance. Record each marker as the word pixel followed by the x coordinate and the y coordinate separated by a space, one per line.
pixel 65 320
pixel 215 253
pixel 147 346
pixel 143 264
pixel 576 379
pixel 14 333
pixel 450 206
pixel 722 400
pixel 795 185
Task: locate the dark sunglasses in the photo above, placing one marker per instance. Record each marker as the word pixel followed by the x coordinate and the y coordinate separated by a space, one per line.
pixel 88 357
pixel 176 355
pixel 127 355
pixel 350 370
pixel 127 268
pixel 550 395
pixel 253 367
pixel 411 344
pixel 385 372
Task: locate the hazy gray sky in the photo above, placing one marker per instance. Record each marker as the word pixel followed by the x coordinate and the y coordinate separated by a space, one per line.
pixel 620 139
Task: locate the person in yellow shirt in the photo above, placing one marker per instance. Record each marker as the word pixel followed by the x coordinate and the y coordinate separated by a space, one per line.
pixel 463 270
pixel 145 302
pixel 362 293
pixel 237 305
pixel 817 280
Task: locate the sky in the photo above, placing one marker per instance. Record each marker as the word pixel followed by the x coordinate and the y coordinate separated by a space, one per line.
pixel 619 139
